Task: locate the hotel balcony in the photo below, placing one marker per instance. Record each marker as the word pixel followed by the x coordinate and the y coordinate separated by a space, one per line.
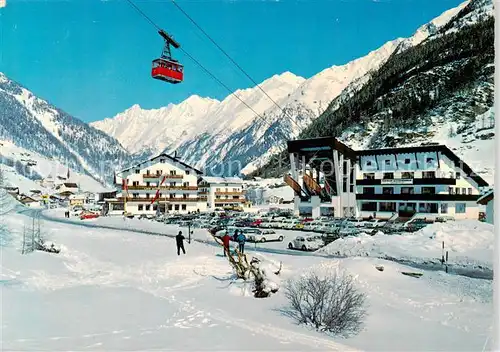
pixel 159 200
pixel 163 188
pixel 229 193
pixel 230 200
pixel 418 196
pixel 406 181
pixel 158 176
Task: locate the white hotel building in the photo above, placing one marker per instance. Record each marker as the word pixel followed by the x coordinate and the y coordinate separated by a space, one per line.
pixel 222 192
pixel 424 181
pixel 177 194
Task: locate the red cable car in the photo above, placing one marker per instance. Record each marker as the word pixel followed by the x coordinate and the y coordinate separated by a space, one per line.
pixel 166 68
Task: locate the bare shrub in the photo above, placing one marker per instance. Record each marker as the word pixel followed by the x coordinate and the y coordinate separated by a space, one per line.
pixel 329 303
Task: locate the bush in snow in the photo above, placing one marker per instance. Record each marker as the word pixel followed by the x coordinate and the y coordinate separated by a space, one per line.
pixel 330 303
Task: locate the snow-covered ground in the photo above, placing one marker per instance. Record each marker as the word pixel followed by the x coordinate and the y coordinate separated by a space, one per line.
pixel 469 244
pixel 117 290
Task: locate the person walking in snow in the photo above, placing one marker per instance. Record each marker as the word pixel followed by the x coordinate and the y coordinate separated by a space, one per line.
pixel 241 239
pixel 179 239
pixel 225 241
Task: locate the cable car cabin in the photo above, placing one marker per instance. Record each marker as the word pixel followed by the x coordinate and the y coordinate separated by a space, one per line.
pixel 167 70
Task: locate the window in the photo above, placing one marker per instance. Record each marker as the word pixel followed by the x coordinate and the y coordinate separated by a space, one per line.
pixel 460 208
pixel 187 172
pixel 184 196
pixel 457 175
pixel 428 190
pixel 148 207
pixel 368 190
pixel 155 207
pixel 162 161
pixel 135 195
pixel 464 190
pixel 147 195
pixel 217 190
pixel 407 161
pixel 407 190
pixel 236 197
pixel 140 207
pixel 176 207
pixel 388 176
pixel 171 196
pixel 450 190
pixel 407 175
pixel 147 184
pixel 368 163
pixel 170 207
pixel 444 208
pixel 388 163
pixel 369 176
pixel 387 206
pixel 369 206
pixel 172 172
pixel 147 172
pixel 183 206
pixel 135 183
pixel 429 160
pixel 158 172
pixel 457 190
pixel 470 191
pixel 387 190
pixel 429 174
pixel 137 171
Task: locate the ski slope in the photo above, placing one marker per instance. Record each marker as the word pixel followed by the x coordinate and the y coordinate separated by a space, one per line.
pixel 118 290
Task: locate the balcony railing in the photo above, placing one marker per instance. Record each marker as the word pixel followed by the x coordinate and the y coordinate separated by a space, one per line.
pixel 163 188
pixel 219 193
pixel 407 181
pixel 155 176
pixel 160 200
pixel 419 196
pixel 230 200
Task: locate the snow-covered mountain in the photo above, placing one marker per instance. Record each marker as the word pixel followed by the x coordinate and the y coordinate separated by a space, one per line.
pixel 213 134
pixel 25 169
pixel 441 91
pixel 35 125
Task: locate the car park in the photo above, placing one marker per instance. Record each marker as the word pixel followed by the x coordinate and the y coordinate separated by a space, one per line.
pixel 258 235
pixel 306 243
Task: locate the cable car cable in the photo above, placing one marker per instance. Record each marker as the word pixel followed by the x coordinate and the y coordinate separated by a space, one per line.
pixel 198 63
pixel 231 59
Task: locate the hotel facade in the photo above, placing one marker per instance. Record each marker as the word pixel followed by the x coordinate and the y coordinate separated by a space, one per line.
pixel 330 178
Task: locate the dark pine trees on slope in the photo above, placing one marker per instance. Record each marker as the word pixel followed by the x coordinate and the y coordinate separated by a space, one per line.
pixel 409 84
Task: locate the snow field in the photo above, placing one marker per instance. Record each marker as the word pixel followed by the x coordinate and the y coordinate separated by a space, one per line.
pixel 117 290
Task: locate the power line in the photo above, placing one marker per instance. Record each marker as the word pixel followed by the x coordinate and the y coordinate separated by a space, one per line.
pixel 231 59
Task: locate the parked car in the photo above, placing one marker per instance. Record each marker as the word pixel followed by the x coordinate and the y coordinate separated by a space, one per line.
pixel 306 243
pixel 374 223
pixel 263 236
pixel 358 222
pixel 348 230
pixel 415 225
pixel 88 215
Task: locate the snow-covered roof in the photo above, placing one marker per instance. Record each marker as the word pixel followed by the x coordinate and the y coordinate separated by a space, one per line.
pixel 213 179
pixel 77 196
pixel 486 198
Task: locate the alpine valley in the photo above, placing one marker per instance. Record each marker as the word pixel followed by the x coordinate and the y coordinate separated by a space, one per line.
pixel 436 86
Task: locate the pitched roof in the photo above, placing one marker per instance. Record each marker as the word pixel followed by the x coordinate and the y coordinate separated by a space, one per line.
pixel 70 185
pixel 173 158
pixel 486 198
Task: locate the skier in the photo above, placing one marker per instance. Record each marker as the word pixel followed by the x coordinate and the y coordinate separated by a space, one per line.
pixel 180 243
pixel 225 242
pixel 241 242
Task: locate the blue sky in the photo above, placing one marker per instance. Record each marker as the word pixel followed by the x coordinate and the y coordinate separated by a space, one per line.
pixel 92 58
